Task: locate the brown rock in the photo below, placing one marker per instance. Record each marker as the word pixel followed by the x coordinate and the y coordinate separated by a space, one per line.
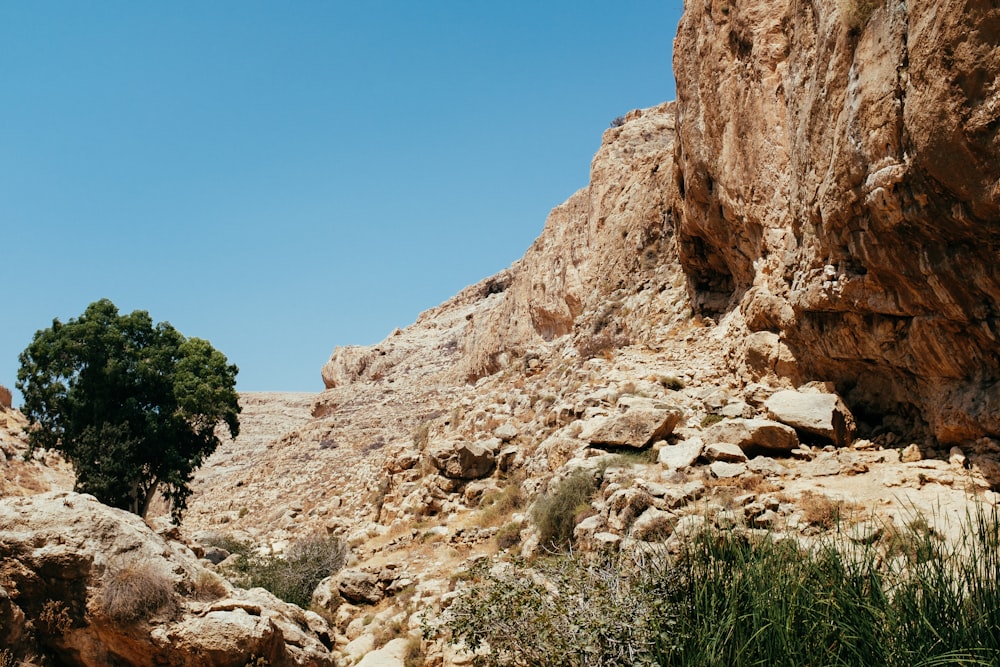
pixel 359 587
pixel 5 397
pixel 724 451
pixel 462 460
pixel 639 427
pixel 749 433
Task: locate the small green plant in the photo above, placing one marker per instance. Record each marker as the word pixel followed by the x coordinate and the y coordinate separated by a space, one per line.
pixel 710 420
pixel 628 457
pixel 294 575
pixel 555 513
pixel 134 590
pixel 230 543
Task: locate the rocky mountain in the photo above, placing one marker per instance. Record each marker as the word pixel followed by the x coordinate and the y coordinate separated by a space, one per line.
pixel 773 302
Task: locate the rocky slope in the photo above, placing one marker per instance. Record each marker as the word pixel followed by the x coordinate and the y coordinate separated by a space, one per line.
pixel 41 472
pixel 563 362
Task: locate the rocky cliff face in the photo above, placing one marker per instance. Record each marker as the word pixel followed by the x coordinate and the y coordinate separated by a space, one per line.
pixel 839 174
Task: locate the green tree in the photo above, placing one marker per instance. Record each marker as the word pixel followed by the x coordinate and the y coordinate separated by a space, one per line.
pixel 134 407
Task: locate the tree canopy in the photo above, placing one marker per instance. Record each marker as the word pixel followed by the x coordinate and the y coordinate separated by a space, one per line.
pixel 132 406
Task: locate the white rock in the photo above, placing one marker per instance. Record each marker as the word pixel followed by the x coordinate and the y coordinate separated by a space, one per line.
pixel 824 415
pixel 681 455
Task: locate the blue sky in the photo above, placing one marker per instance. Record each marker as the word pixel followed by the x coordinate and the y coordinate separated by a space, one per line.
pixel 282 178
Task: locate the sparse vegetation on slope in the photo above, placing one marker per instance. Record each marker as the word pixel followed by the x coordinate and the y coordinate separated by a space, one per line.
pixel 556 513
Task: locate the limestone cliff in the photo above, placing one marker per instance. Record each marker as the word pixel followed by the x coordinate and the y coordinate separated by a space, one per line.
pixel 839 174
pixel 611 239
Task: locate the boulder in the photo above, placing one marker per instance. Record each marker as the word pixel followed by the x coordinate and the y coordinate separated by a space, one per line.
pixel 817 414
pixel 911 453
pixel 126 595
pixel 5 397
pixel 724 451
pixel 359 586
pixel 393 654
pixel 725 469
pixel 463 460
pixel 681 455
pixel 638 427
pixel 765 465
pixel 750 433
pixel 679 496
pixel 506 432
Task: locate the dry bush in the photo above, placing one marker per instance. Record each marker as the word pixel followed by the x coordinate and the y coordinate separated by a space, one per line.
pixel 209 586
pixel 823 511
pixel 54 619
pixel 752 483
pixel 601 344
pixel 136 590
pixel 386 633
pixel 508 536
pixel 414 656
pixel 497 506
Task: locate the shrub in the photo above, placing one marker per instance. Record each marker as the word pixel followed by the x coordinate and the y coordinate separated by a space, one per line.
pixel 508 536
pixel 740 598
pixel 601 344
pixel 498 505
pixel 564 611
pixel 207 585
pixel 672 382
pixel 618 121
pixel 135 590
pixel 710 420
pixel 414 656
pixel 294 575
pixel 554 513
pixel 387 633
pixel 824 512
